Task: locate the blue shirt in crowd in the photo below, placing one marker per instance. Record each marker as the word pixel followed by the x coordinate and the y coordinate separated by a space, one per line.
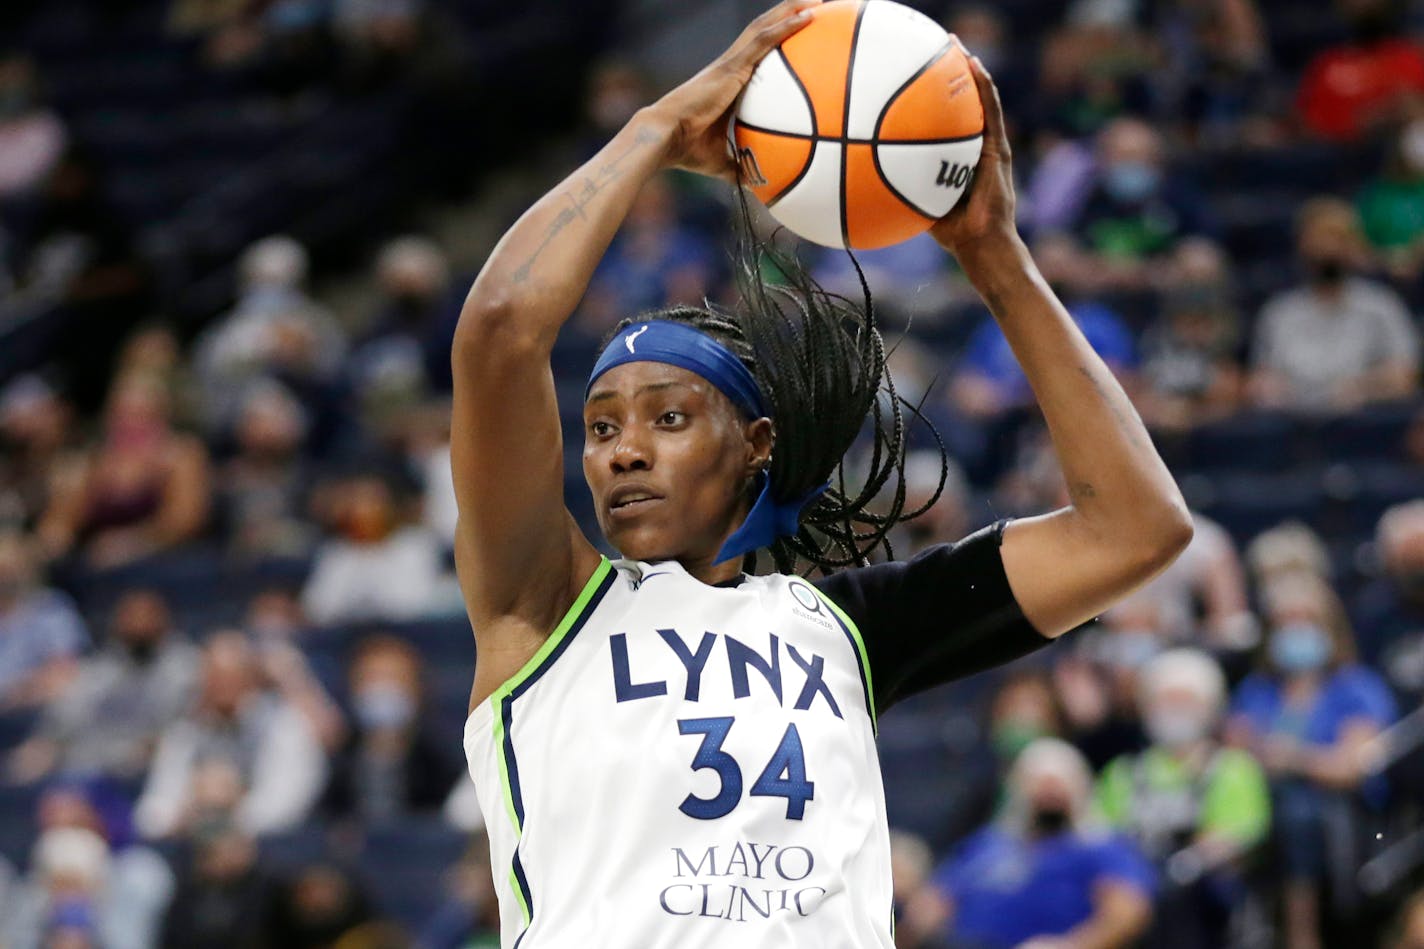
pixel 1007 889
pixel 1350 692
pixel 988 354
pixel 43 626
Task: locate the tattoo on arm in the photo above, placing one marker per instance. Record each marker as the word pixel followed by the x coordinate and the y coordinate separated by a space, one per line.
pixel 607 173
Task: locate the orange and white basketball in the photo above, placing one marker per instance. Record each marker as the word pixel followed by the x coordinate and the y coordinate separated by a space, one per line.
pixel 864 128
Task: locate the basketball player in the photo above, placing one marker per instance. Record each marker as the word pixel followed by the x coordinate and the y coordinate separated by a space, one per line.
pixel 669 751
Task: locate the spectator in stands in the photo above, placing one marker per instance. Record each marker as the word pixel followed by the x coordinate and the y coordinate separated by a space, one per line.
pixel 274 328
pixel 654 261
pixel 1391 207
pixel 224 895
pixel 266 742
pixel 1307 714
pixel 323 905
pixel 1288 549
pixel 1197 809
pixel 1350 89
pixel 262 489
pixel 988 380
pixel 66 899
pixel 122 906
pixel 1216 55
pixel 141 490
pixel 32 137
pixel 376 566
pixel 1099 684
pixel 1338 341
pixel 1190 372
pixel 469 918
pixel 392 765
pixel 108 721
pixel 36 430
pixel 1021 709
pixel 1043 870
pixel 1136 210
pixel 1389 611
pixel 410 333
pixel 921 911
pixel 41 632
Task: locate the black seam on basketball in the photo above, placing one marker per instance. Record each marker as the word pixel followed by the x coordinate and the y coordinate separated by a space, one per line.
pixel 796 180
pixel 885 180
pixel 845 140
pixel 934 58
pixel 845 123
pixel 810 106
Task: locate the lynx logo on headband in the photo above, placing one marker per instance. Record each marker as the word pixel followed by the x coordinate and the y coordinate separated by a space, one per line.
pixel 633 337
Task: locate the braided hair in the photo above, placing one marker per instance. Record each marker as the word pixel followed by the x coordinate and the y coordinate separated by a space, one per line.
pixel 820 361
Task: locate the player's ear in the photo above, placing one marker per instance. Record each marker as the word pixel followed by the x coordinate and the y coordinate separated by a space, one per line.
pixel 760 439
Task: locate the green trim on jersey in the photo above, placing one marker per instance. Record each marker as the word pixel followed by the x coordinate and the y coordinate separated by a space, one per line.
pixel 860 653
pixel 582 605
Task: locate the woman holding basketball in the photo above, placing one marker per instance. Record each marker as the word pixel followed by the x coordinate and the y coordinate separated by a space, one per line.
pixel 671 752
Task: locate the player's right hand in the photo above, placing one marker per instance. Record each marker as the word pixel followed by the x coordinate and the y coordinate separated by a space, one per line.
pixel 696 112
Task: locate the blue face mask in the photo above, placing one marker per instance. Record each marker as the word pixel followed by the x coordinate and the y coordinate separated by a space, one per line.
pixel 383 706
pixel 1131 181
pixel 1300 647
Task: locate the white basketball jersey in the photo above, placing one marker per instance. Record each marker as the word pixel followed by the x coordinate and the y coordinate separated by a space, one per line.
pixel 687 766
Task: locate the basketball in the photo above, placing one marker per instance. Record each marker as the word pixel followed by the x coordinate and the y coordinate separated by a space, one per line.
pixel 862 129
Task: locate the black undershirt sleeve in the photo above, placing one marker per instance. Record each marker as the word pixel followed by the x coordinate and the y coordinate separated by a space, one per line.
pixel 946 614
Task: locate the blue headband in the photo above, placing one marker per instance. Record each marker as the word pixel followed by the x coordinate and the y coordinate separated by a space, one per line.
pixel 678 344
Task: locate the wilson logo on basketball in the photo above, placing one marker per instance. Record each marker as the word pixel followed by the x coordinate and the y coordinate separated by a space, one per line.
pixel 751 171
pixel 954 176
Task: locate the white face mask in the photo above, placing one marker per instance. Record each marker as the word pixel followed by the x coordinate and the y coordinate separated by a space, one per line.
pixel 1176 728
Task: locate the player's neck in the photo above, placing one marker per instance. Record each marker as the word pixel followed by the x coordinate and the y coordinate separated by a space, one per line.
pixel 712 574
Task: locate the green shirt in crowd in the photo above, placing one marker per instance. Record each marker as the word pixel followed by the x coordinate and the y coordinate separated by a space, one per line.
pixel 1392 212
pixel 1154 797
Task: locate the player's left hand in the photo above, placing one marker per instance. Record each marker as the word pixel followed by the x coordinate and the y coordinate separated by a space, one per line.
pixel 986 213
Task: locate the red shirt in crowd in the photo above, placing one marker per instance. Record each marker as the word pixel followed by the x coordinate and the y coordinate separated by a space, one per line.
pixel 1345 87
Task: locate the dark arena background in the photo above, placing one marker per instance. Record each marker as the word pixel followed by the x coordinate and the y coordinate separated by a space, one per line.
pixel 235 236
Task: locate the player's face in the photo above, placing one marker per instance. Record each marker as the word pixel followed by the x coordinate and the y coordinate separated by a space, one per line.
pixel 669 461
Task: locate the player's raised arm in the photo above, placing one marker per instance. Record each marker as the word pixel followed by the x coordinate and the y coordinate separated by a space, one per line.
pixel 520 556
pixel 1127 520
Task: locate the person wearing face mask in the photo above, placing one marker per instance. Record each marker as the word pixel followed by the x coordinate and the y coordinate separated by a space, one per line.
pixel 1136 210
pixel 1195 807
pixel 375 566
pixel 410 332
pixel 109 720
pixel 1337 341
pixel 1309 714
pixel 1045 874
pixel 391 765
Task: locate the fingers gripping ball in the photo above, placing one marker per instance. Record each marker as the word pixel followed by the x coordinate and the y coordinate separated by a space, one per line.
pixel 862 129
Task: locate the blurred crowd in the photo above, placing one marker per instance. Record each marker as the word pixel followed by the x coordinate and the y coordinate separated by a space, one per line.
pixel 234 664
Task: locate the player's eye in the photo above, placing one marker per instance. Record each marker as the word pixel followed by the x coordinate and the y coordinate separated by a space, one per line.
pixel 600 429
pixel 671 417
